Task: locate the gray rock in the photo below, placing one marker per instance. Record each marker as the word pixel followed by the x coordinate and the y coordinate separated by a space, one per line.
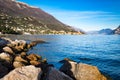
pixel 8 50
pixel 6 57
pixel 3 43
pixel 24 73
pixel 82 71
pixel 3 70
pixel 54 74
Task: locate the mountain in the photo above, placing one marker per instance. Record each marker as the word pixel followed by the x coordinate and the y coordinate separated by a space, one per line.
pixel 106 31
pixel 19 16
pixel 117 30
pixel 102 31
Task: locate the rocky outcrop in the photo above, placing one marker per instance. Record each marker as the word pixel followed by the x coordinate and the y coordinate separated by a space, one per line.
pixel 14 55
pixel 81 71
pixel 24 73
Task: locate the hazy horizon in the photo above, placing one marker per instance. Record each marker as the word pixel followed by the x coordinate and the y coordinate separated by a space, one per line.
pixel 88 15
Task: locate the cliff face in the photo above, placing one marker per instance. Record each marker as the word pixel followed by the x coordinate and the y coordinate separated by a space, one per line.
pixel 43 21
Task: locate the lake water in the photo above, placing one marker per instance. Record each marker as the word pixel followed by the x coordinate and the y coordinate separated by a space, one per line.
pixel 102 51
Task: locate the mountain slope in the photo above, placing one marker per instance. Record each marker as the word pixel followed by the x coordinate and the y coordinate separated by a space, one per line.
pixel 106 31
pixel 19 10
pixel 117 30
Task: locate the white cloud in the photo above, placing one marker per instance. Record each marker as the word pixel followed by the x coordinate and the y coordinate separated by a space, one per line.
pixel 84 14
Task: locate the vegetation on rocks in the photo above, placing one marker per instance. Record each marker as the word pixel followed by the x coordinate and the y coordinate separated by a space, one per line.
pixel 30 25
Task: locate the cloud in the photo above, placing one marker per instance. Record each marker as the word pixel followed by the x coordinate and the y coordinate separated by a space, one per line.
pixel 85 14
pixel 86 20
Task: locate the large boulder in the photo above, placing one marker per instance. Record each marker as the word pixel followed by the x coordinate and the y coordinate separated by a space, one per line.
pixel 24 73
pixel 20 59
pixel 6 60
pixel 3 43
pixel 7 39
pixel 8 50
pixel 23 54
pixel 34 57
pixel 6 57
pixel 36 63
pixel 54 74
pixel 19 62
pixel 82 71
pixel 3 70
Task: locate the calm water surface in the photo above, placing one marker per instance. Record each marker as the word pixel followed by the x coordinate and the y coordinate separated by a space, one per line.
pixel 102 51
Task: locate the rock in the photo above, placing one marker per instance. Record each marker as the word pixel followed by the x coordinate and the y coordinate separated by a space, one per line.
pixel 81 71
pixel 3 43
pixel 8 50
pixel 11 45
pixel 3 70
pixel 20 59
pixel 36 63
pixel 34 57
pixel 44 61
pixel 17 64
pixel 39 41
pixel 54 74
pixel 20 42
pixel 6 57
pixel 33 43
pixel 23 54
pixel 18 46
pixel 29 46
pixel 6 60
pixel 7 39
pixel 24 73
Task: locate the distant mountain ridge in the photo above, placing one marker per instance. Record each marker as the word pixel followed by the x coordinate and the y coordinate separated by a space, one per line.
pixel 106 31
pixel 44 21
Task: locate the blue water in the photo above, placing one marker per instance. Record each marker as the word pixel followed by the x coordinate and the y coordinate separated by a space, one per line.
pixel 102 51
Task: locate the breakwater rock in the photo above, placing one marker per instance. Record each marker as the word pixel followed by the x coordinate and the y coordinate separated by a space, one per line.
pixel 81 71
pixel 17 64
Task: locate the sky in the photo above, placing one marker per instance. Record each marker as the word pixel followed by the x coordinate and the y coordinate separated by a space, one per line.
pixel 87 15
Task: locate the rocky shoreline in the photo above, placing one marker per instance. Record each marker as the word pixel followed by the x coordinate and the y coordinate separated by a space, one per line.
pixel 17 64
